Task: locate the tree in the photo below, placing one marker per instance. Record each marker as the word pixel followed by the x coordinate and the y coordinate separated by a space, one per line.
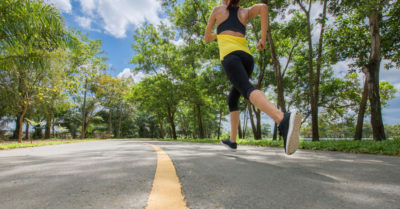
pixel 156 95
pixel 164 63
pixel 314 80
pixel 110 92
pixel 371 42
pixel 30 31
pixel 87 59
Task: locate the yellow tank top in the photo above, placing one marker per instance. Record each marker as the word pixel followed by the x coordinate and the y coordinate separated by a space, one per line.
pixel 229 43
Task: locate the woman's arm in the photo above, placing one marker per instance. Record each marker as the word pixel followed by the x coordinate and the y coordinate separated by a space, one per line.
pixel 262 10
pixel 208 36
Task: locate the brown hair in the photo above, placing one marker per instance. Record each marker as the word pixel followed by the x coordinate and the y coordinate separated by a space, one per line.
pixel 233 3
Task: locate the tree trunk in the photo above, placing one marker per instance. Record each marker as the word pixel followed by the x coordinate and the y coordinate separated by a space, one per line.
pixel 49 120
pixel 201 129
pixel 274 137
pixel 315 98
pixel 361 112
pixel 169 129
pixel 27 131
pixel 185 126
pixel 173 129
pixel 219 124
pixel 161 128
pixel 109 122
pixel 83 133
pixel 171 122
pixel 21 122
pixel 194 122
pixel 258 116
pixel 53 128
pixel 245 124
pixel 253 126
pixel 119 122
pixel 378 131
pixel 314 103
pixel 21 91
pixel 15 134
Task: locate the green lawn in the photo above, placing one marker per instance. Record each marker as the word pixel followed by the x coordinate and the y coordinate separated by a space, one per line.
pixel 13 145
pixel 387 147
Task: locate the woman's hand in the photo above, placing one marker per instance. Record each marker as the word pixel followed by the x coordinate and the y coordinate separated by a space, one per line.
pixel 262 10
pixel 210 38
pixel 261 45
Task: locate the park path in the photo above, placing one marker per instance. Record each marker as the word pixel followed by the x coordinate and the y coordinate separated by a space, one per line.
pixel 120 174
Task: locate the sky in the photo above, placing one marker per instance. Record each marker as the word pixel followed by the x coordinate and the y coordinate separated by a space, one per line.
pixel 114 22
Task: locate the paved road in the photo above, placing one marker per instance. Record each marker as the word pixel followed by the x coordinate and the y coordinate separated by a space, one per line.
pixel 119 174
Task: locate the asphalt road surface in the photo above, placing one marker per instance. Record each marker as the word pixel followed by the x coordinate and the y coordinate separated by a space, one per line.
pixel 120 174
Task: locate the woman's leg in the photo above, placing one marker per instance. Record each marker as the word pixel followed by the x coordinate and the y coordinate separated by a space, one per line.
pixel 258 99
pixel 234 124
pixel 238 67
pixel 233 104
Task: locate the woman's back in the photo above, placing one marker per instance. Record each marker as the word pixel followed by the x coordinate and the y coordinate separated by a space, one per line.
pixel 222 15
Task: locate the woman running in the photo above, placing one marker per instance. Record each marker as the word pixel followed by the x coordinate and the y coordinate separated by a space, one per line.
pixel 238 65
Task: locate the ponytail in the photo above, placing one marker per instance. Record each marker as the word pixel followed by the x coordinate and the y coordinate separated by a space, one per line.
pixel 233 3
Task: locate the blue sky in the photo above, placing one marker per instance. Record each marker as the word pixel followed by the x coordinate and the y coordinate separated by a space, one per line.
pixel 114 21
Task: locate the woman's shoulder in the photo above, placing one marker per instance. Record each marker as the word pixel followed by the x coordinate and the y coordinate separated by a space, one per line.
pixel 219 8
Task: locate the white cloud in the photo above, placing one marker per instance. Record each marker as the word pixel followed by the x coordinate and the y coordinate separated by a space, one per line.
pixel 127 73
pixel 166 22
pixel 62 5
pixel 340 69
pixel 84 22
pixel 397 87
pixel 316 11
pixel 88 5
pixel 392 76
pixel 117 16
pixel 178 42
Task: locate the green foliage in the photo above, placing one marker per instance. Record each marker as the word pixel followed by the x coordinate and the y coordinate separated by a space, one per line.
pixel 7 146
pixel 352 29
pixel 393 131
pixel 388 147
pixel 30 33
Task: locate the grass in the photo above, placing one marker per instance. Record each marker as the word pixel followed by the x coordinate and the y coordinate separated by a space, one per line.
pixel 14 145
pixel 387 147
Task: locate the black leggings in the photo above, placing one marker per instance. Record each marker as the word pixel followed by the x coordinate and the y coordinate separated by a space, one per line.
pixel 238 67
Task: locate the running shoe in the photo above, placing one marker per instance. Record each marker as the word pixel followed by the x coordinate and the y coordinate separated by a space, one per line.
pixel 289 129
pixel 228 143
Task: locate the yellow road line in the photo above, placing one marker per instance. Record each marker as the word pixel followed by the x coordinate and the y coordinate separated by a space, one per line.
pixel 166 192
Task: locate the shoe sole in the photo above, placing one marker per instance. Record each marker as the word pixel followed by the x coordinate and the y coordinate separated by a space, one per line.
pixel 228 147
pixel 293 133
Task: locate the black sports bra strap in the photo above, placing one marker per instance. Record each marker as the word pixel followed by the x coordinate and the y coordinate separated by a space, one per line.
pixel 232 23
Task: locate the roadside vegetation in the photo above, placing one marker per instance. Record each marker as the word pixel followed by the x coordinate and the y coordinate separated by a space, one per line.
pixel 387 147
pixel 14 145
